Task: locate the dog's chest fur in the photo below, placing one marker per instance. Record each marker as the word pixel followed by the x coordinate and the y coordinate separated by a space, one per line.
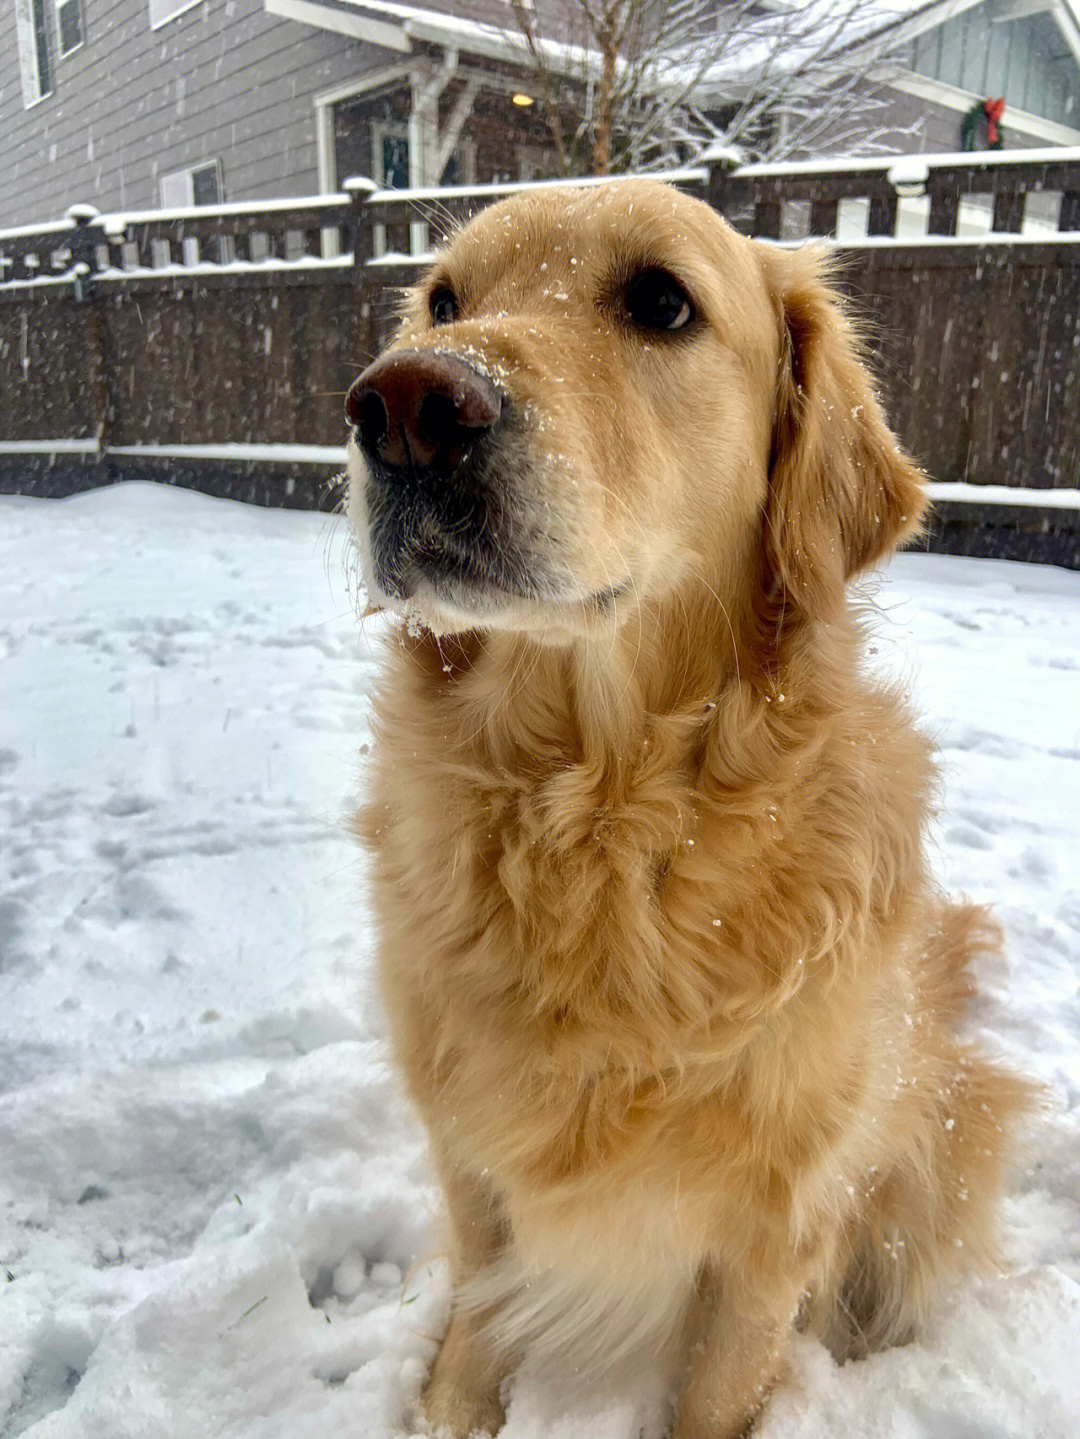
pixel 578 962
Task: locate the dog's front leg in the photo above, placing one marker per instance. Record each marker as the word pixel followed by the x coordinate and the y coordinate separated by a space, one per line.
pixel 462 1391
pixel 737 1334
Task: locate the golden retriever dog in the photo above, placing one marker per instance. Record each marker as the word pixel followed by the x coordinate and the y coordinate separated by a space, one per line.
pixel 665 969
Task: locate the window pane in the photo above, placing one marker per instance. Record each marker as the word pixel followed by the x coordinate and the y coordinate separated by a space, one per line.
pixel 206 185
pixel 41 46
pixel 69 18
pixel 395 163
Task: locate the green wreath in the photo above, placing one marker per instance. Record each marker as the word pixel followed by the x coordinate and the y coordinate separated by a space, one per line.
pixel 983 119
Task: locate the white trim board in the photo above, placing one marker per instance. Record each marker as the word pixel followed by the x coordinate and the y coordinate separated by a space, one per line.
pixel 229 450
pixel 357 27
pixel 291 454
pixel 364 84
pixel 405 24
pixel 175 14
pixel 932 159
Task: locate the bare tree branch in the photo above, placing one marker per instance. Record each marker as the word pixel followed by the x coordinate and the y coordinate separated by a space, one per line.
pixel 552 113
pixel 650 83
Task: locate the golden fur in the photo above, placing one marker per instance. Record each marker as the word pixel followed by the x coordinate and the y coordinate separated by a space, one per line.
pixel 665 970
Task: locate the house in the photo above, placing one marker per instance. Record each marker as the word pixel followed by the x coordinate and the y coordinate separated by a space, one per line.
pixel 136 104
pixel 947 57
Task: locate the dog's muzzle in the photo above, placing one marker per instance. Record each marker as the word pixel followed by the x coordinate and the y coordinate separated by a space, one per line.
pixel 429 426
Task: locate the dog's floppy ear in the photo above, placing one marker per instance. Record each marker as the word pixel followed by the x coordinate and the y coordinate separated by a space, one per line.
pixel 842 493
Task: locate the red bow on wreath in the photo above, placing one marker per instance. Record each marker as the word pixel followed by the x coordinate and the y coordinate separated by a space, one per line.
pixel 982 119
pixel 993 110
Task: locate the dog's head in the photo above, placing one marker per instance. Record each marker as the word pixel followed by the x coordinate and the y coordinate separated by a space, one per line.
pixel 600 394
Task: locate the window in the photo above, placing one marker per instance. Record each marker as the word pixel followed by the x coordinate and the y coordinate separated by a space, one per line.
pixel 206 183
pixel 390 158
pixel 69 25
pixel 163 10
pixel 390 141
pixel 200 185
pixel 34 61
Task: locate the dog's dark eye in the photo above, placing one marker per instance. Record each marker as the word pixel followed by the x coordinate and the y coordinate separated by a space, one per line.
pixel 656 301
pixel 444 307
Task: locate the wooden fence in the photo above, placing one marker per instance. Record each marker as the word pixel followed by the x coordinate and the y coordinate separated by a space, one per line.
pixel 213 346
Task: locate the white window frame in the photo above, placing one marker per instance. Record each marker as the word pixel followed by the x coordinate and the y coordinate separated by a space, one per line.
pixel 381 130
pixel 58 5
pixel 184 180
pixel 29 72
pixel 180 7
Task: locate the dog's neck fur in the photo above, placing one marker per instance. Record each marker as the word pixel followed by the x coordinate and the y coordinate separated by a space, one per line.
pixel 589 775
pixel 525 708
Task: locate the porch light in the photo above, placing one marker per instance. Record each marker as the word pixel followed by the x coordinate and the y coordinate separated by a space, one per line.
pixel 520 98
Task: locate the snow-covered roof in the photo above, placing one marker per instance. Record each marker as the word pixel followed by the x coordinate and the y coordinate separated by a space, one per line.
pixel 486 28
pixel 489 29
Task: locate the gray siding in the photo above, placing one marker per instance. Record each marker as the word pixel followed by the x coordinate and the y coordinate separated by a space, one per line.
pixel 921 127
pixel 223 81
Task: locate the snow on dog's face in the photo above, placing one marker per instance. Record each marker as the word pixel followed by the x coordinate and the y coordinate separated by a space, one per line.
pixel 585 407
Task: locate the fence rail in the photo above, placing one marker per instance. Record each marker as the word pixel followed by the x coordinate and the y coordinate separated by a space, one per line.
pixel 1040 188
pixel 244 324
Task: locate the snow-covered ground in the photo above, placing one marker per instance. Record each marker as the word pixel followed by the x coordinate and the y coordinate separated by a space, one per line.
pixel 216 1216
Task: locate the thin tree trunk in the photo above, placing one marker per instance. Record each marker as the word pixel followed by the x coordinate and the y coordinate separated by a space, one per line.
pixel 601 147
pixel 552 118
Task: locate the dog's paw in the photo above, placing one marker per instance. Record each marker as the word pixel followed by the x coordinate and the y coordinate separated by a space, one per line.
pixel 445 1413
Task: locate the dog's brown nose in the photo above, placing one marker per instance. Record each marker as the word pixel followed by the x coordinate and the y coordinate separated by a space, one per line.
pixel 416 408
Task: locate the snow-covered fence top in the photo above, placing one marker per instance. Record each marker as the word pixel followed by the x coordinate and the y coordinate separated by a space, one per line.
pixel 909 196
pixel 902 197
pixel 360 225
pixel 906 198
pixel 111 245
